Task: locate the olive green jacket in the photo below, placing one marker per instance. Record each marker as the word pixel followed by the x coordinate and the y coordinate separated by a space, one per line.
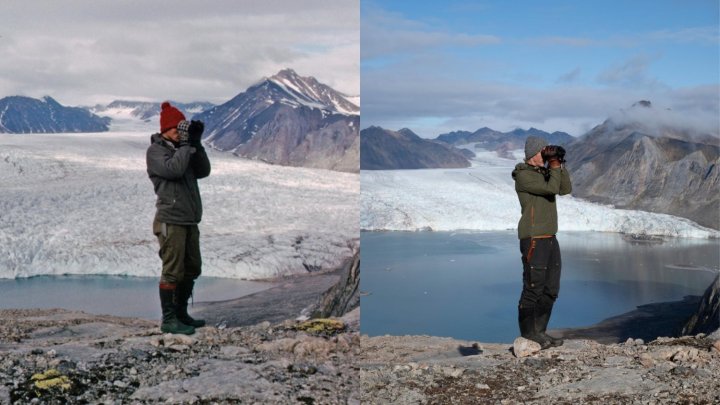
pixel 537 198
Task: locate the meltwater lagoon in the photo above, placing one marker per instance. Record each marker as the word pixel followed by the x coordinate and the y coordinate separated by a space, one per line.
pixel 466 285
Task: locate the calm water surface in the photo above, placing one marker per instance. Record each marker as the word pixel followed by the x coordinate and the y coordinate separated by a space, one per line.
pixel 112 295
pixel 467 285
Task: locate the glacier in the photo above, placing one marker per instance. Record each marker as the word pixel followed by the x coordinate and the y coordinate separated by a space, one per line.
pixel 482 198
pixel 83 204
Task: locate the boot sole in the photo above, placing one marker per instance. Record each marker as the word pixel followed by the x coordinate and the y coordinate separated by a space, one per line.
pixel 177 332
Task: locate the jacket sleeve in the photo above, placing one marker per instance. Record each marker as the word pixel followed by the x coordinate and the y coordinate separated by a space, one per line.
pixel 534 182
pixel 200 163
pixel 565 183
pixel 162 163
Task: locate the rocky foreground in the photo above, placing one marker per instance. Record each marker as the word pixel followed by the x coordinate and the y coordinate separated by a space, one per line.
pixel 434 370
pixel 59 356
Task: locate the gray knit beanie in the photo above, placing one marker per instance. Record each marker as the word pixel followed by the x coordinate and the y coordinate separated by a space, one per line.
pixel 533 145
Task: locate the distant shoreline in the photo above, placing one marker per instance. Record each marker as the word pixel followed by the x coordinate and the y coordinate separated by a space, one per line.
pixel 429 229
pixel 647 322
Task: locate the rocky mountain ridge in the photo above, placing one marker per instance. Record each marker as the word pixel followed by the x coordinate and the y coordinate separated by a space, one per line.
pixel 383 149
pixel 20 114
pixel 147 110
pixel 486 138
pixel 635 165
pixel 289 120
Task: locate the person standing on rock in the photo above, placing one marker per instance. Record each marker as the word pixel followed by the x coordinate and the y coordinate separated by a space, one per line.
pixel 175 160
pixel 537 186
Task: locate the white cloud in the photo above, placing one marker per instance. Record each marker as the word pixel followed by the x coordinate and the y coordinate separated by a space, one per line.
pixel 690 35
pixel 83 51
pixel 394 98
pixel 631 73
pixel 389 34
pixel 434 78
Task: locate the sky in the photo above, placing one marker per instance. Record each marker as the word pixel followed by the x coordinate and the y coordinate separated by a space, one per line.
pixel 556 65
pixel 85 52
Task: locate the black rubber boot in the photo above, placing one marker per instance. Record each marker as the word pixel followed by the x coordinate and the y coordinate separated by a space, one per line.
pixel 542 318
pixel 527 321
pixel 184 291
pixel 170 321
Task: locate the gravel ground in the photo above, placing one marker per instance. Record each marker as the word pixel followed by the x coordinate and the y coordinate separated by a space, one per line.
pixel 433 370
pixel 59 356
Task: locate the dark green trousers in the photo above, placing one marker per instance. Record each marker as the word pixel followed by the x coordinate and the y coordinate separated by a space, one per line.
pixel 179 251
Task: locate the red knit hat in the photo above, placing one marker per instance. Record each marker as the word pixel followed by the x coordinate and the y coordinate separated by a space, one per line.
pixel 169 117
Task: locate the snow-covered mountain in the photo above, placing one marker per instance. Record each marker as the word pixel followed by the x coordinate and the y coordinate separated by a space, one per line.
pixel 383 149
pixel 635 160
pixel 308 91
pixel 483 198
pixel 20 114
pixel 83 204
pixel 290 120
pixel 127 115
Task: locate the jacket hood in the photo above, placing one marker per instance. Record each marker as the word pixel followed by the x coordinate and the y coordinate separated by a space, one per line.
pixel 155 138
pixel 519 167
pixel 524 166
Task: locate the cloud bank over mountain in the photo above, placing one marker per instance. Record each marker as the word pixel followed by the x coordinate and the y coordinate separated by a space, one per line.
pixel 84 52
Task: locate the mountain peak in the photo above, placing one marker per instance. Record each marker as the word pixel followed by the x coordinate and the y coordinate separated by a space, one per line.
pixel 50 101
pixel 307 90
pixel 407 132
pixel 287 119
pixel 292 76
pixel 642 103
pixel 286 73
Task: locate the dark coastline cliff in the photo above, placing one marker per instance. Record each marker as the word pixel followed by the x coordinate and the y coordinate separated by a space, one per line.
pixel 707 317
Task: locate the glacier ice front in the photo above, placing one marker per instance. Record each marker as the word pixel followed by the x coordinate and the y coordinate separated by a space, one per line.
pixel 483 198
pixel 82 204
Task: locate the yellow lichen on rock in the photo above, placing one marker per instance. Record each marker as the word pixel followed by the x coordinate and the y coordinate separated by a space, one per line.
pixel 52 373
pixel 51 379
pixel 321 325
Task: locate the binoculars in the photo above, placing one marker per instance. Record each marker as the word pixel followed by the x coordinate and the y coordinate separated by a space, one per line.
pixel 553 152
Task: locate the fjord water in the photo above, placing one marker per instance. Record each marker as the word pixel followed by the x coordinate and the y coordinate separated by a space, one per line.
pixel 466 285
pixel 112 295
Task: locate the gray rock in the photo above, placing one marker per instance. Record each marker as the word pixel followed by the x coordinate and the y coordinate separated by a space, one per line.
pixel 523 347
